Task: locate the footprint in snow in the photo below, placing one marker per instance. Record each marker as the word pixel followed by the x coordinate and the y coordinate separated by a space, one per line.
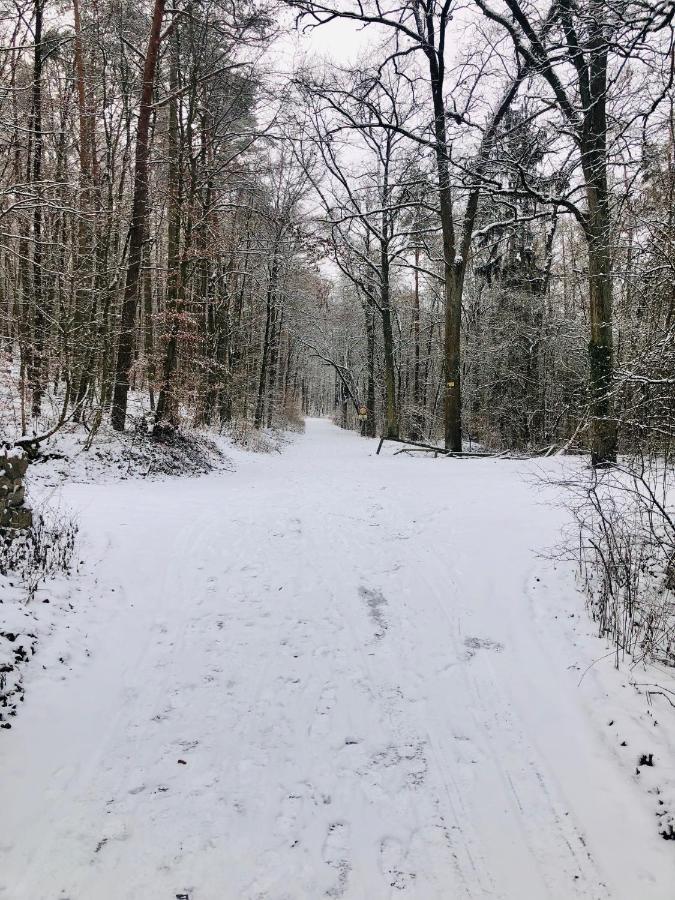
pixel 336 855
pixel 375 601
pixel 403 765
pixel 393 864
pixel 474 644
pixel 116 830
pixel 287 819
pixel 321 721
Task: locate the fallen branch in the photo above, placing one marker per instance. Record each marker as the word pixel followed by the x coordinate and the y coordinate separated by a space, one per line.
pixel 33 442
pixel 430 448
pixel 652 690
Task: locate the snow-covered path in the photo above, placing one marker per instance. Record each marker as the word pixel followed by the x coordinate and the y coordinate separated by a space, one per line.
pixel 328 674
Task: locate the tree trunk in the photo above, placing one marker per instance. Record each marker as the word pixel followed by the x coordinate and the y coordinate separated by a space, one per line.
pixel 269 320
pixel 452 284
pixel 600 350
pixel 391 412
pixel 166 404
pixel 36 373
pixel 275 354
pixel 598 235
pixel 149 333
pixel 86 253
pixel 371 421
pixel 139 217
pixel 418 417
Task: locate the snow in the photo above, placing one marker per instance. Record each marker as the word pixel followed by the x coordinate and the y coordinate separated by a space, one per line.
pixel 330 674
pixel 116 457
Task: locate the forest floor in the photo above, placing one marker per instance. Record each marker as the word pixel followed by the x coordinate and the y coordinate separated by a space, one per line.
pixel 331 674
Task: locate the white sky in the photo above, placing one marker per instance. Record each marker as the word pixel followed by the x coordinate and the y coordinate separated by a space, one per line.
pixel 340 41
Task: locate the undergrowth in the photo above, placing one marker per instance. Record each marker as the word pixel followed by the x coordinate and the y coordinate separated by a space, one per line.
pixel 39 553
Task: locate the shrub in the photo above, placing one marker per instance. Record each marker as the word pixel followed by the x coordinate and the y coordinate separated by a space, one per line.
pixel 39 553
pixel 626 555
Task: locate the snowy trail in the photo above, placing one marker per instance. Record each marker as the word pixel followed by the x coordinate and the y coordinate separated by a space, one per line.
pixel 328 674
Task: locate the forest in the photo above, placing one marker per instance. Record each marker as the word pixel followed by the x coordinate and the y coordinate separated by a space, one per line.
pixel 467 229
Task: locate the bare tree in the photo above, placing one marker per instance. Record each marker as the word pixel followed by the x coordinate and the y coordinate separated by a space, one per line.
pixel 137 230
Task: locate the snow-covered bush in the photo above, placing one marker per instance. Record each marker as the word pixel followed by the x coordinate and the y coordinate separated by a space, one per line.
pixel 626 554
pixel 28 560
pixel 292 418
pixel 243 434
pixel 40 552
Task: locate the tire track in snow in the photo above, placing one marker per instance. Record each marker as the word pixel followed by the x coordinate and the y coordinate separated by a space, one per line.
pixel 481 713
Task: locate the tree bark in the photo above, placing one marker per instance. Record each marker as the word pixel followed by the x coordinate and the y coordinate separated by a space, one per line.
pixel 139 217
pixel 371 421
pixel 269 319
pixel 36 373
pixel 453 274
pixel 598 236
pixel 166 405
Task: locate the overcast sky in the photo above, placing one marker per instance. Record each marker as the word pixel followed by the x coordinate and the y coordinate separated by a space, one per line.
pixel 340 41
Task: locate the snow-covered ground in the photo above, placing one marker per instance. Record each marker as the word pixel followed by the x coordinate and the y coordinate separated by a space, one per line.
pixel 330 674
